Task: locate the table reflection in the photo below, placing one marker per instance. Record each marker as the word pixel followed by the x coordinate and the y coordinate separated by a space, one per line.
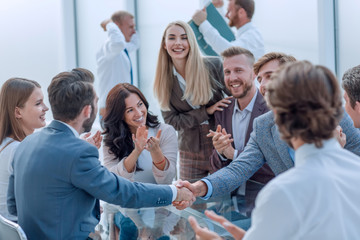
pixel 169 223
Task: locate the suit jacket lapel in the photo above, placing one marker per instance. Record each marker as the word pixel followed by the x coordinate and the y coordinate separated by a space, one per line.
pixel 258 109
pixel 281 147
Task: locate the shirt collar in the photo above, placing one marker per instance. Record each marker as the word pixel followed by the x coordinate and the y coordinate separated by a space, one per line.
pixel 244 28
pixel 70 127
pixel 249 107
pixel 308 149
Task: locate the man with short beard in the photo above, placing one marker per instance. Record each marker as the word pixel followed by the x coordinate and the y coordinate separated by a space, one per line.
pixel 237 119
pixel 239 13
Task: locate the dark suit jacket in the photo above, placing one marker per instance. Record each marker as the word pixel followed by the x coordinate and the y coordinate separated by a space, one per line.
pixel 224 118
pixel 57 180
pixel 187 120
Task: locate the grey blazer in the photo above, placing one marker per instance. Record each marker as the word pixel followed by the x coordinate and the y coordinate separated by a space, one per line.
pixel 266 146
pixel 187 120
pixel 57 180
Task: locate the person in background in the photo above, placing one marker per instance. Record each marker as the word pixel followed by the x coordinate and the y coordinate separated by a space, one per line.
pixel 69 170
pixel 351 85
pixel 306 101
pixel 136 145
pixel 239 13
pixel 113 61
pixel 22 110
pixel 189 89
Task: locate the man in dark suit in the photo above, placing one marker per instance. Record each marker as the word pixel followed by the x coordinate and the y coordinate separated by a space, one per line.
pixel 237 119
pixel 58 178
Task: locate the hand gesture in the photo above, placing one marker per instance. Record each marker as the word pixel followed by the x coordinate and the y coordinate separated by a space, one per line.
pixel 204 233
pixel 199 16
pixel 104 23
pixel 340 136
pixel 95 139
pixel 140 139
pixel 218 3
pixel 184 198
pixel 153 143
pixel 219 106
pixel 222 142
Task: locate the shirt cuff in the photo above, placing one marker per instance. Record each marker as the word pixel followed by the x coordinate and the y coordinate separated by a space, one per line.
pixel 221 157
pixel 174 192
pixel 235 154
pixel 210 189
pixel 204 26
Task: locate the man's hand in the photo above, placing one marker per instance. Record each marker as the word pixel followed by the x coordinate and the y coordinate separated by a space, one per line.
pixel 218 3
pixel 204 233
pixel 104 23
pixel 95 139
pixel 222 142
pixel 199 16
pixel 340 136
pixel 184 198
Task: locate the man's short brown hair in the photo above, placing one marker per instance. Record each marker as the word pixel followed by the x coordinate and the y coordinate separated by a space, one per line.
pixel 248 6
pixel 280 57
pixel 234 51
pixel 70 92
pixel 351 84
pixel 118 16
pixel 306 100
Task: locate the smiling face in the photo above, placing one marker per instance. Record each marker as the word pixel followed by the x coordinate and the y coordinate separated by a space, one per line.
pixel 238 75
pixel 232 14
pixel 127 27
pixel 176 43
pixel 135 112
pixel 32 114
pixel 265 72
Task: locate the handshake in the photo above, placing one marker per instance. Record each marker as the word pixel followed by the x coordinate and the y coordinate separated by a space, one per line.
pixel 187 193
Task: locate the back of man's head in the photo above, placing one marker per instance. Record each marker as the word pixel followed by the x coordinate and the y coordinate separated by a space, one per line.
pixel 306 100
pixel 351 84
pixel 118 16
pixel 282 58
pixel 234 51
pixel 248 6
pixel 70 92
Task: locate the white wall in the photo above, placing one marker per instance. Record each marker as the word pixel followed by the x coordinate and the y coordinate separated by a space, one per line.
pixel 349 35
pixel 33 42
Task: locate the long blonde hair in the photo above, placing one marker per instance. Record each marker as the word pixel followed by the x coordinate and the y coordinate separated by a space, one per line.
pixel 198 85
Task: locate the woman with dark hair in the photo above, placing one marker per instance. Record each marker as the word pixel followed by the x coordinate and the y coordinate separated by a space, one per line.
pixel 136 145
pixel 22 110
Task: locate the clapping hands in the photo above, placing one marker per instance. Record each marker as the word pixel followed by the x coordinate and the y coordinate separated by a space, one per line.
pixel 222 142
pixel 95 139
pixel 142 141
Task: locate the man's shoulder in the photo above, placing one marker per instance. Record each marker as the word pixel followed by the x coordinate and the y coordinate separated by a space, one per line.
pixel 266 119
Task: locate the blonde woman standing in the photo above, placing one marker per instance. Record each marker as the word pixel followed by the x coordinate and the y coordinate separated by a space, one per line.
pixel 189 88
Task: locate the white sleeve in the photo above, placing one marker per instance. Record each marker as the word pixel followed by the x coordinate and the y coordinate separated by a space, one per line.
pixel 115 42
pixel 114 165
pixel 213 37
pixel 275 216
pixel 169 147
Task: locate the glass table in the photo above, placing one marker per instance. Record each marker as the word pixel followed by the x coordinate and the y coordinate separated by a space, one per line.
pixel 169 223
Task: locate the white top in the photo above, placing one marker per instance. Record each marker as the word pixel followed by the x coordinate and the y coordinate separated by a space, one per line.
pixel 6 158
pixel 317 199
pixel 113 65
pixel 150 173
pixel 246 37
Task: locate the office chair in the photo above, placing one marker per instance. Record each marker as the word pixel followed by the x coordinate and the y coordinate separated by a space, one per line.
pixel 10 230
